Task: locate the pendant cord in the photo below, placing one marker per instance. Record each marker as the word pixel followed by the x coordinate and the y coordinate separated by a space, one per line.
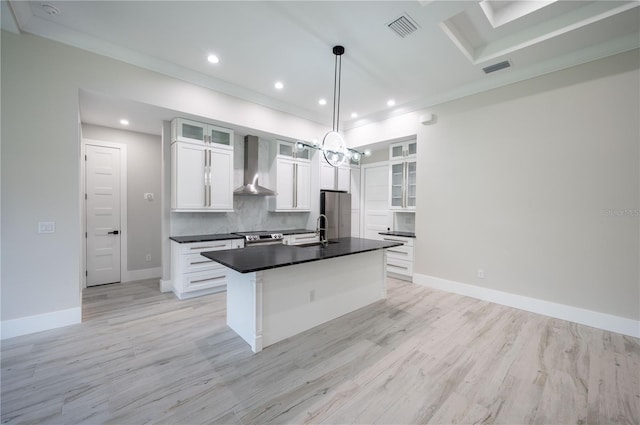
pixel 335 88
pixel 339 87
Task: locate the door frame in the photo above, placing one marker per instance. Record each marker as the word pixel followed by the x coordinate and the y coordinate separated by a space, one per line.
pixel 363 209
pixel 123 203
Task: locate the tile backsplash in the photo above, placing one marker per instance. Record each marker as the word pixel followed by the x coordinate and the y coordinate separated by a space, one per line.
pixel 251 213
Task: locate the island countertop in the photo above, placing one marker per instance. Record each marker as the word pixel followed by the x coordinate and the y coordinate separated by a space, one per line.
pixel 265 257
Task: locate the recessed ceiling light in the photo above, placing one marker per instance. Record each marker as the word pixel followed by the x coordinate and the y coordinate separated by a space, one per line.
pixel 391 102
pixel 124 122
pixel 354 115
pixel 213 59
pixel 279 85
pixel 322 102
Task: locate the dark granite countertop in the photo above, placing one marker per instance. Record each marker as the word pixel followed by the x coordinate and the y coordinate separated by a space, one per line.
pixel 403 234
pixel 257 258
pixel 205 238
pixel 222 236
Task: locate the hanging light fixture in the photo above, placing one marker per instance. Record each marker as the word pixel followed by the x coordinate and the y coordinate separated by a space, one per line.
pixel 333 146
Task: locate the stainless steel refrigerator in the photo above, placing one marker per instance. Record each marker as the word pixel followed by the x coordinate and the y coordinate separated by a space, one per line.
pixel 336 206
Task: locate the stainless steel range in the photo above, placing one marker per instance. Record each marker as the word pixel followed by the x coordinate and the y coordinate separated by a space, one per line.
pixel 260 238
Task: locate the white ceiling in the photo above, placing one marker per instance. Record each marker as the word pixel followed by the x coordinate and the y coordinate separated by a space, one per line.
pixel 261 42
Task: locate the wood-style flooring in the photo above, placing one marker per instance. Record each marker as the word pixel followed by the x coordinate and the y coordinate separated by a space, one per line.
pixel 420 356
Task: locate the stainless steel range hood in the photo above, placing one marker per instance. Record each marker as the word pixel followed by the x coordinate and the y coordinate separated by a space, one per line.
pixel 251 186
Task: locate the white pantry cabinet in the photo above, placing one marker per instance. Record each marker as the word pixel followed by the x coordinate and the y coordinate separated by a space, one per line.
pixel 201 170
pixel 192 274
pixel 292 178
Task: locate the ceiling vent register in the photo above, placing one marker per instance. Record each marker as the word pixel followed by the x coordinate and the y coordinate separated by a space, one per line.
pixel 403 26
pixel 496 67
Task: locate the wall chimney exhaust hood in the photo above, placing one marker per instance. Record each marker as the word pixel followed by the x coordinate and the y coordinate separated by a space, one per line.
pixel 251 186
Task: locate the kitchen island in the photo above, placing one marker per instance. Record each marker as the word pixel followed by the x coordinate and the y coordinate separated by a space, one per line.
pixel 277 291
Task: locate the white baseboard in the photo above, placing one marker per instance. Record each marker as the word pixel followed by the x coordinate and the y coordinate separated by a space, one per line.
pixel 131 275
pixel 166 286
pixel 582 316
pixel 40 322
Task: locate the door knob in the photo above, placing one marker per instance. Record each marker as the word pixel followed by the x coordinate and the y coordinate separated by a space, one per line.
pixel 115 232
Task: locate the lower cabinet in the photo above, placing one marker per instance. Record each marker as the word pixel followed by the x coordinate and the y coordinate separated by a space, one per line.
pixel 400 258
pixel 300 238
pixel 192 274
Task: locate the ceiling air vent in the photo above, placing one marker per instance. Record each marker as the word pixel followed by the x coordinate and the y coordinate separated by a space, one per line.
pixel 496 67
pixel 403 26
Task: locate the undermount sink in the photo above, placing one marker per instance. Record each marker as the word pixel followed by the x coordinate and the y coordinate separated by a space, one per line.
pixel 304 245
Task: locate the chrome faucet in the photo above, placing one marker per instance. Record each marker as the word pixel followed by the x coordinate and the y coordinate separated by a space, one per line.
pixel 323 236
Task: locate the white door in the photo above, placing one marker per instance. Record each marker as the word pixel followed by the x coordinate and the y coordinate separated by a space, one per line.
pixel 221 179
pixel 375 187
pixel 103 214
pixel 303 189
pixel 285 183
pixel 189 161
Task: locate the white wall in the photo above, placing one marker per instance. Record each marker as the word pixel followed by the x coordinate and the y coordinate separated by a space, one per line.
pixel 538 184
pixel 41 159
pixel 143 176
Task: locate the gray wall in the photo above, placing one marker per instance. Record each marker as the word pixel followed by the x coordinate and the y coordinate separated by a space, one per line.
pixel 538 184
pixel 41 80
pixel 143 176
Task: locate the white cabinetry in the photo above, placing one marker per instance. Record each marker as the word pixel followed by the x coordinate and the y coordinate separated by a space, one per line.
pixel 201 170
pixel 400 258
pixel 192 274
pixel 292 175
pixel 301 238
pixel 183 130
pixel 402 176
pixel 335 178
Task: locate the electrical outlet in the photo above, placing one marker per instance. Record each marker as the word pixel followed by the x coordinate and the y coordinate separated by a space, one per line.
pixel 148 258
pixel 46 227
pixel 481 273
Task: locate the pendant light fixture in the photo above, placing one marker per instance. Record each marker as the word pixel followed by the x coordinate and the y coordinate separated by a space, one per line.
pixel 333 146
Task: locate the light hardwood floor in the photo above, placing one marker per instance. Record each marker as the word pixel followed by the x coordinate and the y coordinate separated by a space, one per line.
pixel 421 356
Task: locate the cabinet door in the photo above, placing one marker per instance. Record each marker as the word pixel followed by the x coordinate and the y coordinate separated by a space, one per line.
pixel 189 176
pixel 355 188
pixel 344 179
pixel 189 131
pixel 303 189
pixel 221 179
pixel 220 135
pixel 396 151
pixel 411 185
pixel 397 184
pixel 284 184
pixel 327 175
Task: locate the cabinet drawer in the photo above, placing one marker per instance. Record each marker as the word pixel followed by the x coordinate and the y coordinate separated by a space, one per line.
pixel 204 280
pixel 403 252
pixel 406 241
pixel 302 238
pixel 399 266
pixel 196 263
pixel 198 247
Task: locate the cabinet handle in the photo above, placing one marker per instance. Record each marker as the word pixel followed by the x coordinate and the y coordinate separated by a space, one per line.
pixel 398 267
pixel 393 240
pixel 209 279
pixel 208 247
pixel 295 185
pixel 397 252
pixel 200 262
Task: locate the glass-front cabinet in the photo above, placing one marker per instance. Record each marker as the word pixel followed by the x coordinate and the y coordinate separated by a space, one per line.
pixel 189 131
pixel 403 178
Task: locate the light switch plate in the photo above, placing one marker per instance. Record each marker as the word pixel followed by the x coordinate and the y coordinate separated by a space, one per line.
pixel 46 227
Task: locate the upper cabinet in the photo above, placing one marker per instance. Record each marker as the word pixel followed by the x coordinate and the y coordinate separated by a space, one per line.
pixel 336 178
pixel 291 170
pixel 184 130
pixel 403 150
pixel 201 170
pixel 402 176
